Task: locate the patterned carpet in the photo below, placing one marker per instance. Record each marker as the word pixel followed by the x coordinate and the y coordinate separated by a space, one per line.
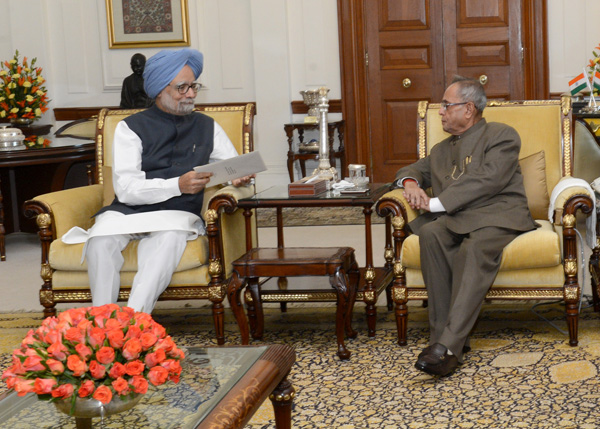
pixel 521 372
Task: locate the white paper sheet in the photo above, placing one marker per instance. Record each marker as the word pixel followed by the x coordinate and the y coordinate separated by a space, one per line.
pixel 233 168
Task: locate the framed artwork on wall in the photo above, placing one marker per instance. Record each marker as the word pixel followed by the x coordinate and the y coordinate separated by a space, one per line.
pixel 147 24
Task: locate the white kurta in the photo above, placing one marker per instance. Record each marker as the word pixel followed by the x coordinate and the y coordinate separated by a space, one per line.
pixel 132 187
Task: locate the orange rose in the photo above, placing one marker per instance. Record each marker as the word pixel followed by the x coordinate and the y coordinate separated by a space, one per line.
pixel 43 386
pixel 56 367
pixel 103 394
pixel 176 353
pixel 23 387
pixel 117 370
pixel 58 351
pixel 135 367
pixel 110 324
pixel 153 359
pixel 158 375
pixel 105 355
pixel 121 386
pixel 148 339
pixel 140 384
pixel 83 351
pixel 33 364
pixel 133 332
pixel 75 364
pixel 96 370
pixel 165 343
pixel 74 335
pixel 63 391
pixel 132 349
pixel 86 389
pixel 96 337
pixel 116 338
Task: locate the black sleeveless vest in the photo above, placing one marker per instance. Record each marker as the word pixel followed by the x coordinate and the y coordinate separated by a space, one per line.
pixel 171 146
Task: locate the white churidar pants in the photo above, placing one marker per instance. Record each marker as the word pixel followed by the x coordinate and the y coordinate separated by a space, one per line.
pixel 158 255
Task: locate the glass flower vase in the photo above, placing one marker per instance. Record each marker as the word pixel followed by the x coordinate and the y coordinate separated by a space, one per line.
pixel 90 407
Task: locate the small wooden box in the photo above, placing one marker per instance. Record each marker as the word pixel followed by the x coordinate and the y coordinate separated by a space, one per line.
pixel 302 188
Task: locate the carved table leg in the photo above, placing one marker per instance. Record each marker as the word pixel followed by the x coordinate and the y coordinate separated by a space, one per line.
pixel 339 281
pixel 282 399
pixel 254 289
pixel 234 289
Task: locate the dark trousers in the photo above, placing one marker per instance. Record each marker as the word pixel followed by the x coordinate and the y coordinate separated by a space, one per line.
pixel 458 270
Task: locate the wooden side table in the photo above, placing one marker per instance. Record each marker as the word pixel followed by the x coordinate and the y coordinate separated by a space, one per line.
pixel 336 262
pixel 302 155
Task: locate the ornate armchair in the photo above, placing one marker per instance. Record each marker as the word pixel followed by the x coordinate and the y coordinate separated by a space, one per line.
pixel 206 262
pixel 538 265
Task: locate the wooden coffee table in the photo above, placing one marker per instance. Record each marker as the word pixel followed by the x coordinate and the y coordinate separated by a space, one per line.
pixel 220 387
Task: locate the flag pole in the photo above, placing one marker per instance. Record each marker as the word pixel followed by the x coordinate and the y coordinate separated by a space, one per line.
pixel 591 88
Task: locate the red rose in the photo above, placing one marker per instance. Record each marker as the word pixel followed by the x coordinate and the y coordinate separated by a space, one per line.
pixel 148 339
pixel 117 370
pixel 153 359
pixel 158 375
pixel 56 367
pixel 121 386
pixel 135 367
pixel 96 337
pixel 86 389
pixel 75 364
pixel 63 391
pixel 140 384
pixel 105 355
pixel 43 386
pixel 132 349
pixel 103 394
pixel 116 338
pixel 83 351
pixel 96 370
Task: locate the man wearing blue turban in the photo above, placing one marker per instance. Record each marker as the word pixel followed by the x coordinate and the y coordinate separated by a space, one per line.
pixel 158 195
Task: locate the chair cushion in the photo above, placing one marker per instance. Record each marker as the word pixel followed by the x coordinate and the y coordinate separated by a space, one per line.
pixel 68 256
pixel 533 168
pixel 539 248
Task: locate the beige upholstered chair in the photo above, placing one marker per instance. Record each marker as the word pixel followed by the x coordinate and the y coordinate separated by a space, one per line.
pixel 537 265
pixel 206 262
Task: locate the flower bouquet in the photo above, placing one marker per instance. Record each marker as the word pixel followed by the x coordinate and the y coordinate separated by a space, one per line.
pixel 36 142
pixel 22 94
pixel 94 352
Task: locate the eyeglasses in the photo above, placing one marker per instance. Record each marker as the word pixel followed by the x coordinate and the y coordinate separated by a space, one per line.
pixel 183 88
pixel 444 104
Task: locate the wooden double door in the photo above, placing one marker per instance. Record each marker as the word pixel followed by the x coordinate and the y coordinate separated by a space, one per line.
pixel 396 53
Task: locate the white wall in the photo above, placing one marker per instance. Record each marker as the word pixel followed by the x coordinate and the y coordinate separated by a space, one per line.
pixel 255 50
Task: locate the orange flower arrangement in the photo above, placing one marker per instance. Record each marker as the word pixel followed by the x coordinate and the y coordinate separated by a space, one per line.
pixel 94 352
pixel 22 94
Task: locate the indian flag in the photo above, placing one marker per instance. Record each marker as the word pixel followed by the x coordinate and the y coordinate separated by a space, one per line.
pixel 578 83
pixel 596 79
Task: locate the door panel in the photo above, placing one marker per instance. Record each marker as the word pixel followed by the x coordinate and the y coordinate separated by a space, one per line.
pixel 405 66
pixel 412 49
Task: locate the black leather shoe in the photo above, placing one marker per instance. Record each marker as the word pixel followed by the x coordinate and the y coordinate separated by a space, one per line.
pixel 435 360
pixel 426 350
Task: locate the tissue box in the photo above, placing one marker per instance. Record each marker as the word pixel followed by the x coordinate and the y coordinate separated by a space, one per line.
pixel 303 187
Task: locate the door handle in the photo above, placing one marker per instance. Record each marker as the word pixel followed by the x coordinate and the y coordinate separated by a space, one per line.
pixel 406 83
pixel 483 79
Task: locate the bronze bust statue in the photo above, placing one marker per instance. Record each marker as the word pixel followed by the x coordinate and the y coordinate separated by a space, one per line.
pixel 132 93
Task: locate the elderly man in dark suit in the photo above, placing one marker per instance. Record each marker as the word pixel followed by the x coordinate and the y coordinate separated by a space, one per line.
pixel 479 206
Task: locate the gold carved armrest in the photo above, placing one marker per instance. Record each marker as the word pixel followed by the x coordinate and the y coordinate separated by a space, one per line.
pixel 67 208
pixel 393 203
pixel 226 229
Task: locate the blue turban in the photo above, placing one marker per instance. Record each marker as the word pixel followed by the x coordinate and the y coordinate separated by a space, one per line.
pixel 162 68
